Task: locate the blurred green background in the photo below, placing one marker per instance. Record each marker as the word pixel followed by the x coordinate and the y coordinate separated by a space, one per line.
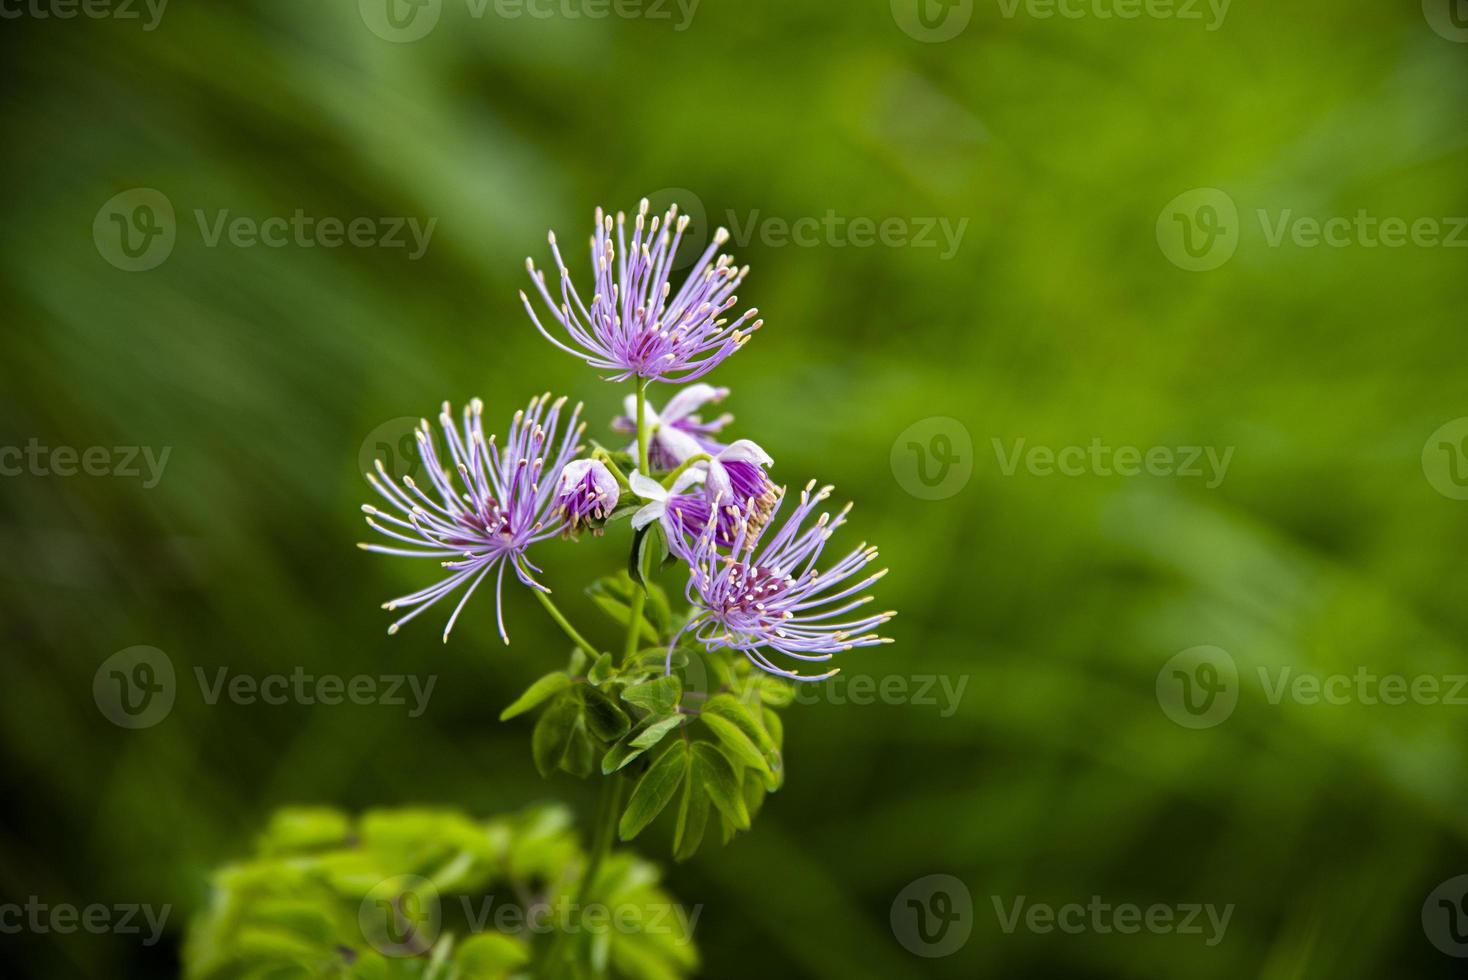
pixel 1059 319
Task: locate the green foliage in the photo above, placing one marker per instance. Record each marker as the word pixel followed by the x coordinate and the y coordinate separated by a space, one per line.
pixel 728 750
pixel 388 895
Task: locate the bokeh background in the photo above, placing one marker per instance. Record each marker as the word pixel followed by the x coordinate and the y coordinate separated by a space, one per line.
pixel 1061 317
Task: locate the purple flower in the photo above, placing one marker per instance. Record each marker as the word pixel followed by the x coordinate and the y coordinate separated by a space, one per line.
pixel 676 432
pixel 637 325
pixel 499 506
pixel 587 494
pixel 766 594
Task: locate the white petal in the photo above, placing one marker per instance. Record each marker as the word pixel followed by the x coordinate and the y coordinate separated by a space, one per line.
pixel 694 474
pixel 746 451
pixel 679 444
pixel 690 400
pixel 575 471
pixel 646 487
pixel 718 481
pixel 648 514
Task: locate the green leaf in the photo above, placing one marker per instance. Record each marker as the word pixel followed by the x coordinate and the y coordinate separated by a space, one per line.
pixel 535 694
pixel 553 733
pixel 693 815
pixel 580 757
pixel 489 956
pixel 657 697
pixel 654 790
pixel 655 728
pixel 604 719
pixel 639 740
pixel 604 668
pixel 713 769
pixel 741 733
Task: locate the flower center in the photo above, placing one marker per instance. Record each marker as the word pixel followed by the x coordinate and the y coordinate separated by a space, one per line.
pixel 750 589
pixel 483 525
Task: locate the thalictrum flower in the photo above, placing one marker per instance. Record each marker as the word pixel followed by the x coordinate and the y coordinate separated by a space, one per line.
pixel 502 502
pixel 676 433
pixel 766 594
pixel 637 325
pixel 587 493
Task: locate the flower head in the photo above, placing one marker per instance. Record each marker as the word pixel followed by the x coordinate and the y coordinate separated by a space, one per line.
pixel 587 493
pixel 766 594
pixel 500 504
pixel 676 432
pixel 637 325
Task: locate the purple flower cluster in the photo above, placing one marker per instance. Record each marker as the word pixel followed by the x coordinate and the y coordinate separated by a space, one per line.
pixel 752 588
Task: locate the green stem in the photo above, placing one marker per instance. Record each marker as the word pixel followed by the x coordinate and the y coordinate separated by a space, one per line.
pixel 606 459
pixel 565 625
pixel 642 433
